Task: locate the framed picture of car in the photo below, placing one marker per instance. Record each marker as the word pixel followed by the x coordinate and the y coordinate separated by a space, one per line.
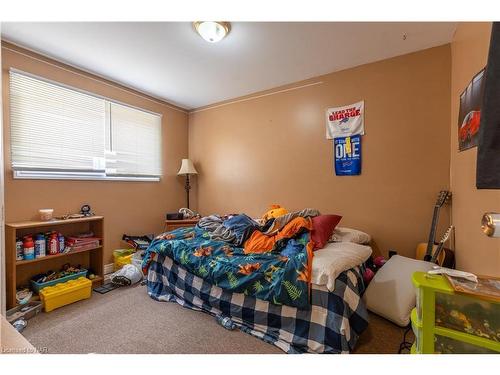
pixel 469 115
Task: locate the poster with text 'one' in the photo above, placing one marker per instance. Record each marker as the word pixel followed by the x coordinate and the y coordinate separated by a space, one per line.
pixel 345 121
pixel 347 155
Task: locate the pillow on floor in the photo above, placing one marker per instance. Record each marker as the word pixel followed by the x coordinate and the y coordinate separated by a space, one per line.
pixel 391 293
pixel 323 226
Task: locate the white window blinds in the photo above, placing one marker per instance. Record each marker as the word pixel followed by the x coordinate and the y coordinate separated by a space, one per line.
pixel 135 142
pixel 57 130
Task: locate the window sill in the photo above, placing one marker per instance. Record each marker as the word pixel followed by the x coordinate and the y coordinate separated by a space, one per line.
pixel 78 176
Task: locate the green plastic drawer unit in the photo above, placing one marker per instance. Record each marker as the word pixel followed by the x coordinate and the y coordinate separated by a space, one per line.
pixel 417 331
pixel 448 322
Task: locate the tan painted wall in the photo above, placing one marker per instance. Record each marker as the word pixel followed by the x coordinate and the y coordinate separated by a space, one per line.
pixel 272 149
pixel 475 252
pixel 128 207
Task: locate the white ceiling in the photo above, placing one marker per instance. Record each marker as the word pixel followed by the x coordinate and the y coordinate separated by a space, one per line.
pixel 170 61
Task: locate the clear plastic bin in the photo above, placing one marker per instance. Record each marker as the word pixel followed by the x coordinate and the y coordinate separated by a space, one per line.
pixel 446 345
pixel 26 311
pixel 470 315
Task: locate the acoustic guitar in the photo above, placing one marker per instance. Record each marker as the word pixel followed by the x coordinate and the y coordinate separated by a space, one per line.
pixel 425 251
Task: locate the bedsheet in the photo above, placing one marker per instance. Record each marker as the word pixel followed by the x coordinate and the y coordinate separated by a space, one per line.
pixel 332 324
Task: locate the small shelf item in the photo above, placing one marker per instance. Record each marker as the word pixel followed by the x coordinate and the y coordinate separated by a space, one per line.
pixel 445 321
pixel 88 254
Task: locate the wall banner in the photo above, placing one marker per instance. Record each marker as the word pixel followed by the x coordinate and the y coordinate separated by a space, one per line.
pixel 345 121
pixel 347 152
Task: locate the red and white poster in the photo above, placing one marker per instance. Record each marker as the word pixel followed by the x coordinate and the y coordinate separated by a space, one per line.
pixel 345 121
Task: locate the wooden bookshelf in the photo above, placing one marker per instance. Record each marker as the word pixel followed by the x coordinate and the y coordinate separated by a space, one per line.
pixel 20 272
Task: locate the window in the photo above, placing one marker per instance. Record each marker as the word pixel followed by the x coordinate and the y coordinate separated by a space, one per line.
pixel 63 133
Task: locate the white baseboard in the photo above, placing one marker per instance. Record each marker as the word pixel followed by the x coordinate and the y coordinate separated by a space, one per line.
pixel 108 269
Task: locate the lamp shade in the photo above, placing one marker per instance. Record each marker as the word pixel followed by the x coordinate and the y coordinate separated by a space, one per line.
pixel 187 167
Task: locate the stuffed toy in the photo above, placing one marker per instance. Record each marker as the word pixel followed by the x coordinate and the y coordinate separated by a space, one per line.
pixel 275 210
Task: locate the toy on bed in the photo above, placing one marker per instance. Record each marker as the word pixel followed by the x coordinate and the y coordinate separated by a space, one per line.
pixel 275 210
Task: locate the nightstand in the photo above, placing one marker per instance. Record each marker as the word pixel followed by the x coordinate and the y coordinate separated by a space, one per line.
pixel 174 224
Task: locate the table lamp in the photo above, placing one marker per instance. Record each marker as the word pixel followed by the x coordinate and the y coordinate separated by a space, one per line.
pixel 187 169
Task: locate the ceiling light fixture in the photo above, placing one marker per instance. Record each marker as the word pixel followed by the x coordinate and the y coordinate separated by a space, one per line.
pixel 212 31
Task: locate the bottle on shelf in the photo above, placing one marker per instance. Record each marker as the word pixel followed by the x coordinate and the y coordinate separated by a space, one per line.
pixel 40 250
pixel 61 240
pixel 19 249
pixel 53 244
pixel 28 248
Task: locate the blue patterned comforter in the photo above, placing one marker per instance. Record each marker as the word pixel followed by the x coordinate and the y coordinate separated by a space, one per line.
pixel 280 276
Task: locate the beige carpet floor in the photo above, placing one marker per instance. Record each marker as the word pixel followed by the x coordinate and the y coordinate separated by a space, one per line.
pixel 127 320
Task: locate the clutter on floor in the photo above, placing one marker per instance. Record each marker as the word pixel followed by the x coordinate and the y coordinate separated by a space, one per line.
pixel 127 263
pixel 138 242
pixel 121 257
pixel 226 322
pixel 27 311
pixel 128 275
pixel 19 315
pixel 105 288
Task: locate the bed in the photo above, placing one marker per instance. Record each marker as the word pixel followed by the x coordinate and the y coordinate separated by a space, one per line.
pixel 330 321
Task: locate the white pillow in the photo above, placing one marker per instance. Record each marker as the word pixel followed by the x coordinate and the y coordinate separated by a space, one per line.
pixel 343 234
pixel 391 293
pixel 329 262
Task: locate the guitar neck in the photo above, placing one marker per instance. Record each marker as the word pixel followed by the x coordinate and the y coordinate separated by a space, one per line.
pixel 432 233
pixel 437 252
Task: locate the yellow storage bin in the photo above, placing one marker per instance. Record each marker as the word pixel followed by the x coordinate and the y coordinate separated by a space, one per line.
pixel 63 294
pixel 122 257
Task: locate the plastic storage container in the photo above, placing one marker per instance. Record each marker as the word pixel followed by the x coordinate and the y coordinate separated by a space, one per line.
pixel 447 345
pixel 122 257
pixel 63 294
pixel 39 286
pixel 470 315
pixel 26 312
pixel 448 322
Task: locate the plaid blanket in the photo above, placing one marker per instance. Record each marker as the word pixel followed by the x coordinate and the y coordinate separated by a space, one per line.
pixel 332 324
